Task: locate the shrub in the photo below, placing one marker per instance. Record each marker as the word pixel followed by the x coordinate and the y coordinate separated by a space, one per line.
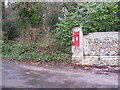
pixel 64 33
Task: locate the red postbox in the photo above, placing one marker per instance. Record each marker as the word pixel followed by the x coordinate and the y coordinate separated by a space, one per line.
pixel 76 39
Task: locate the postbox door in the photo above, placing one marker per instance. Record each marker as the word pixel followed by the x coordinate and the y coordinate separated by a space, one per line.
pixel 76 39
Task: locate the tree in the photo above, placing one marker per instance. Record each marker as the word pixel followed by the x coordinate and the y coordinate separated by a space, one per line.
pixel 30 13
pixel 51 12
pixel 4 13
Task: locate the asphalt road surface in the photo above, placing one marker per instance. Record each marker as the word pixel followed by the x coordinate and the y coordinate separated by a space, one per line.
pixel 20 75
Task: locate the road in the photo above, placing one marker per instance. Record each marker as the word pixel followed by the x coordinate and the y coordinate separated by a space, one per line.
pixel 22 75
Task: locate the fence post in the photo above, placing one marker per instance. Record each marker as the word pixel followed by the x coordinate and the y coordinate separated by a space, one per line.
pixel 77 48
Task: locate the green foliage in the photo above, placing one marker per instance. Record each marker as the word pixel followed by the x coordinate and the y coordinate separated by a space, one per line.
pixel 20 51
pixel 54 57
pixel 97 17
pixel 94 17
pixel 9 30
pixel 30 14
pixel 64 33
pixel 102 17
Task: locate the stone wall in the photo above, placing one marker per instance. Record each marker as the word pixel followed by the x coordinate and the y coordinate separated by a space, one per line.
pixel 99 48
pixel 102 44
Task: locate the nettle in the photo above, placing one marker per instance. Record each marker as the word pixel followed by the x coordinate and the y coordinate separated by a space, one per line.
pixel 94 17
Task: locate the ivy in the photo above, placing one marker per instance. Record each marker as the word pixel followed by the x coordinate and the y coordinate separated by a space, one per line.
pixel 94 17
